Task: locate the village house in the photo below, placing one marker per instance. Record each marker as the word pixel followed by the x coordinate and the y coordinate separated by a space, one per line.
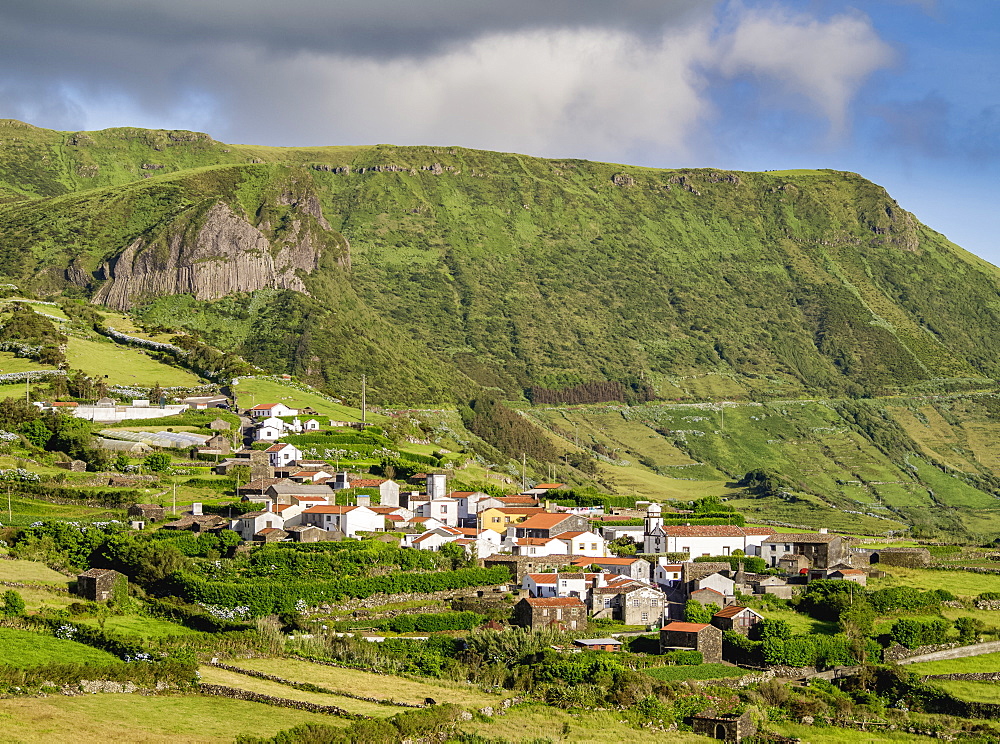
pixel 568 613
pixel 550 525
pixel 285 491
pixel 728 727
pixel 697 636
pixel 266 410
pixel 633 568
pixel 310 476
pixel 736 618
pixel 537 546
pixel 823 550
pixel 584 543
pixel 543 489
pixel 557 585
pixel 249 524
pixel 709 540
pixel 348 519
pixel 388 490
pixel 630 601
pixel 499 519
pixel 204 402
pixel 667 574
pixel 443 509
pixel 708 596
pixel 281 455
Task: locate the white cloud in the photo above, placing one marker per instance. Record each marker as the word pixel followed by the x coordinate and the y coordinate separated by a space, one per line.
pixel 586 91
pixel 823 62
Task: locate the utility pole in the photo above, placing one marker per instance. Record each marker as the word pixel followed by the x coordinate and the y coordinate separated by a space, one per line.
pixel 524 480
pixel 10 510
pixel 27 390
pixel 363 398
pixel 175 497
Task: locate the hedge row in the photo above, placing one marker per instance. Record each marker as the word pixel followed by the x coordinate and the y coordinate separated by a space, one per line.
pixel 138 672
pixel 264 597
pixel 431 622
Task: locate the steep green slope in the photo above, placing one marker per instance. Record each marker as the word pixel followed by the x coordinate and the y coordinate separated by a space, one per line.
pixel 437 270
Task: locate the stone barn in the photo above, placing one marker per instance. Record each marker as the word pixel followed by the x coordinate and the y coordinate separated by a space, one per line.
pixel 695 636
pixel 147 512
pixel 97 584
pixel 732 728
pixel 907 557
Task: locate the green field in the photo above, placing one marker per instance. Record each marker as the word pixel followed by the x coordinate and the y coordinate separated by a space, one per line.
pixel 124 365
pixel 976 692
pixel 137 625
pixel 216 676
pixel 801 624
pixel 372 685
pixel 30 572
pixel 984 663
pixel 254 391
pixel 960 583
pixel 23 648
pixel 702 671
pixel 10 363
pixel 169 719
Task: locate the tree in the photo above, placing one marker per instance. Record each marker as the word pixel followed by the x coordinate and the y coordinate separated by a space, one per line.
pixel 766 629
pixel 36 432
pixel 158 462
pixel 623 546
pixel 968 629
pixel 696 612
pixel 13 604
pixel 240 475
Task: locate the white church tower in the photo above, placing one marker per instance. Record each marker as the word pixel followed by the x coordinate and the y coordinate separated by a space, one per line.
pixel 654 537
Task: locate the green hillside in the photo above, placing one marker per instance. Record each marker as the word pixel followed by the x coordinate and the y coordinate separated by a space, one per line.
pixel 460 268
pixel 854 345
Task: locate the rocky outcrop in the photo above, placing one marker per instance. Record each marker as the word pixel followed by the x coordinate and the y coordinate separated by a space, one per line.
pixel 213 252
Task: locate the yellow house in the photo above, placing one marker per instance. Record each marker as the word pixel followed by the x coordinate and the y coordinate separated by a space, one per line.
pixel 499 519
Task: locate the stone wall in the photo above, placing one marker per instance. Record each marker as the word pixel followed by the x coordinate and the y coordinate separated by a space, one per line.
pixel 942 652
pixel 256 697
pixel 967 676
pixel 309 687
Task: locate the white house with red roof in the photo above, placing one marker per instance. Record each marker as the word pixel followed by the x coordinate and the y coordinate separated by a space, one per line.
pixel 309 475
pixel 281 455
pixel 264 410
pixel 584 543
pixel 536 546
pixel 348 519
pixel 633 568
pixel 443 509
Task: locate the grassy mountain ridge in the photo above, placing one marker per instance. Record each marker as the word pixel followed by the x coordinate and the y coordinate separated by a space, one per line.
pixel 470 268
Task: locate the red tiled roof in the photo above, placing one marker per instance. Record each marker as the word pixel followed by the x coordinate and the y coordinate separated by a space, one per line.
pixel 549 485
pixel 516 510
pixel 800 537
pixel 849 571
pixel 394 518
pixel 541 521
pixel 264 406
pixel 608 561
pixel 731 611
pixel 535 540
pixel 546 578
pixel 708 589
pixel 686 627
pixel 277 447
pixel 368 482
pixel 269 530
pixel 713 530
pixel 565 535
pixel 554 601
pixel 69 404
pixel 329 509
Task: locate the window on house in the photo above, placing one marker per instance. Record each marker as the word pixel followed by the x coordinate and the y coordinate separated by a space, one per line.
pixel 635 602
pixel 593 546
pixel 496 519
pixel 607 601
pixel 645 617
pixel 685 549
pixel 725 550
pixel 654 603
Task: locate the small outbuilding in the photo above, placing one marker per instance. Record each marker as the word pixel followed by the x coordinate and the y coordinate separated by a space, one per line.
pixel 697 636
pixel 598 644
pixel 729 728
pixel 147 512
pixel 734 617
pixel 97 584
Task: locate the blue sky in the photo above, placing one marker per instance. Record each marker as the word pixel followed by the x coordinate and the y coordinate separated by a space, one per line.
pixel 904 92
